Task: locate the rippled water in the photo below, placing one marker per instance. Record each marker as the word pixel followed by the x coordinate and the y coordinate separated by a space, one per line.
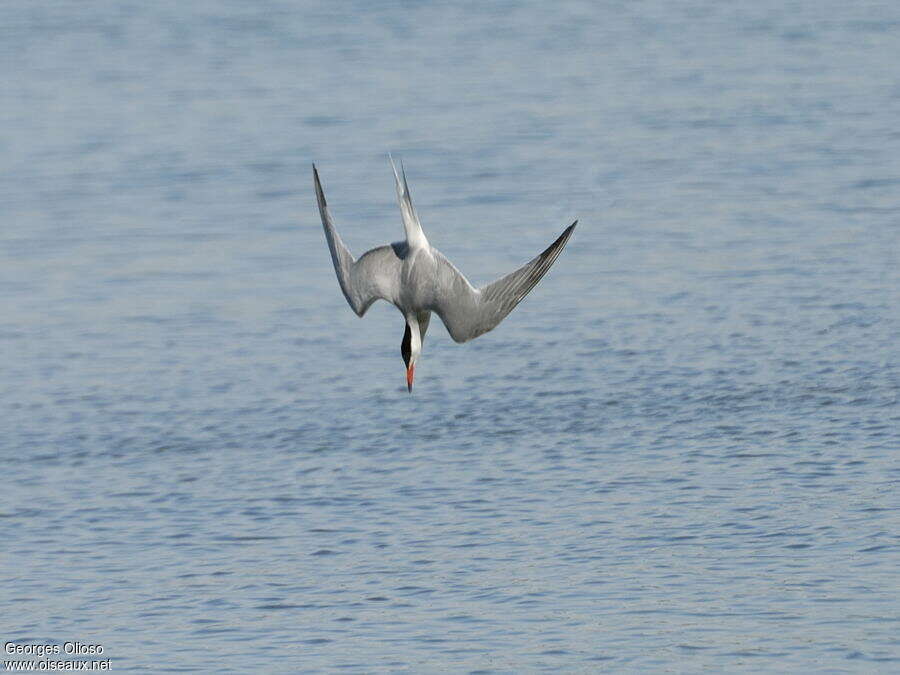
pixel 679 453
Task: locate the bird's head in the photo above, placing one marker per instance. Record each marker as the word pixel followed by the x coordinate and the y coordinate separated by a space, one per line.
pixel 410 349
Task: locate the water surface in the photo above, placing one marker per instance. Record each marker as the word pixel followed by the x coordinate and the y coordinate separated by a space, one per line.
pixel 679 453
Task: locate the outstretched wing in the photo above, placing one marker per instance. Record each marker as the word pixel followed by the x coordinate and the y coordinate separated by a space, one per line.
pixel 468 312
pixel 415 236
pixel 376 275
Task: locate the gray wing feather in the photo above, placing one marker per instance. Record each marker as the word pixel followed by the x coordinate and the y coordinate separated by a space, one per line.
pixel 374 276
pixel 407 210
pixel 468 313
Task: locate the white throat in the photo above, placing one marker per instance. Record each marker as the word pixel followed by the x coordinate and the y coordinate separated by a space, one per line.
pixel 415 337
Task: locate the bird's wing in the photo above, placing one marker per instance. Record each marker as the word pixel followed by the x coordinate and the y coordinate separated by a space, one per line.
pixel 411 225
pixel 468 312
pixel 374 276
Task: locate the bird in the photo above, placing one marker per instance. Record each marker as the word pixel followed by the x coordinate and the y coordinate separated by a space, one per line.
pixel 419 280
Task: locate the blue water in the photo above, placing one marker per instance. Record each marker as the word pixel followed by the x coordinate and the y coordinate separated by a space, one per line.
pixel 679 453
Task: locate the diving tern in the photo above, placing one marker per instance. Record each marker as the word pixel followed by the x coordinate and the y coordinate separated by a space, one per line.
pixel 419 280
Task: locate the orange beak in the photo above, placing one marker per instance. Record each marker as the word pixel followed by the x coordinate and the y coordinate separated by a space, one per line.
pixel 410 373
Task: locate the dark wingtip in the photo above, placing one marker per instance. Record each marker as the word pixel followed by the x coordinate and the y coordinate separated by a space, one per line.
pixel 564 237
pixel 566 233
pixel 319 192
pixel 405 184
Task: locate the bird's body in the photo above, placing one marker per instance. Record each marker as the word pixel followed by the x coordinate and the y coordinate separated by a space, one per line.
pixel 419 280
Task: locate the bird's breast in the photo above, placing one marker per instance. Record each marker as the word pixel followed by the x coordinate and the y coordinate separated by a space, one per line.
pixel 417 280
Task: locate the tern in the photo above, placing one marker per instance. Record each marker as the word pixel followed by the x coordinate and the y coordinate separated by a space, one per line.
pixel 419 280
